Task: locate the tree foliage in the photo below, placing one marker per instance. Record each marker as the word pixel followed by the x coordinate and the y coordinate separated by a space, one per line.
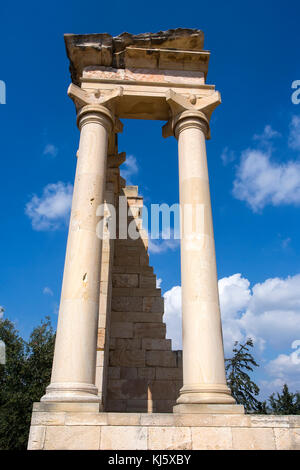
pixel 285 403
pixel 23 380
pixel 243 389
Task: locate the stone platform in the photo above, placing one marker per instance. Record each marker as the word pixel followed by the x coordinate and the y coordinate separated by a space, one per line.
pixel 62 428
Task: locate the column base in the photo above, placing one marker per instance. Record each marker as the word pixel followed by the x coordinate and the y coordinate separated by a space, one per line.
pixel 205 394
pixel 70 393
pixel 205 408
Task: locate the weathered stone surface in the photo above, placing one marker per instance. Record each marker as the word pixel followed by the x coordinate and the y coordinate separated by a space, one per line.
pixel 52 407
pixel 121 330
pixel 127 389
pixel 114 372
pixel 81 430
pixel 153 304
pixel 295 438
pixel 135 317
pixel 205 438
pixel 124 343
pixel 253 439
pixel 132 269
pixel 116 405
pixel 146 372
pixel 127 358
pixel 169 438
pixel 123 438
pixel 164 389
pixel 167 373
pixel 128 304
pixel 124 419
pixel 86 419
pixel 150 330
pixel 43 418
pixel 83 50
pixel 156 344
pixel 204 408
pixel 101 338
pixel 139 405
pixel 282 438
pixel 165 406
pixel 72 438
pixel 125 280
pixel 136 292
pixel 161 359
pixel 147 281
pixel 36 437
pixel 128 373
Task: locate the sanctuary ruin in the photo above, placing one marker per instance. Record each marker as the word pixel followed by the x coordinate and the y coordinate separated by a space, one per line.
pixel 116 382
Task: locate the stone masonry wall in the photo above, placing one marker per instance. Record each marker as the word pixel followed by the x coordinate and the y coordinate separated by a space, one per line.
pixel 144 374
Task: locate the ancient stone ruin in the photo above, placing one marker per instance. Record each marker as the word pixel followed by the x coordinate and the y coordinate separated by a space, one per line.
pixel 116 382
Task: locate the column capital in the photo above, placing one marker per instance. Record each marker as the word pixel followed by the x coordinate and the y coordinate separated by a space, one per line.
pixel 188 119
pixel 96 106
pixel 191 111
pixel 95 113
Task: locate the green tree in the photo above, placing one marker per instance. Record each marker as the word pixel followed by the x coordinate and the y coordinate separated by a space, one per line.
pixel 243 389
pixel 286 403
pixel 23 379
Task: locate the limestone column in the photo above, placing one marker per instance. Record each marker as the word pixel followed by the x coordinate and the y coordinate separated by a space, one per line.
pixel 204 381
pixel 74 364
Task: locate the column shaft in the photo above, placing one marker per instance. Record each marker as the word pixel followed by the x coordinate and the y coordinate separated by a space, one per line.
pixel 204 380
pixel 74 365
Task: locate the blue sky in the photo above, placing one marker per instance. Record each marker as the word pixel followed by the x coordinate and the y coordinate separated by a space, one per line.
pixel 253 158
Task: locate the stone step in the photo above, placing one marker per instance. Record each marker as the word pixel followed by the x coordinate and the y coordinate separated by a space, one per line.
pixel 135 292
pixel 125 280
pixel 134 280
pixel 137 330
pixel 137 304
pixel 151 373
pixel 125 343
pixel 150 330
pixel 136 317
pixel 141 259
pixel 147 281
pixel 145 270
pixel 151 344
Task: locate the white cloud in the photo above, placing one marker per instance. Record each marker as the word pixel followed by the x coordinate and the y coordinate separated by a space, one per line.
pixel 227 156
pixel 260 181
pixel 269 313
pixel 283 369
pixel 129 168
pixel 158 283
pixel 172 316
pixel 51 210
pixel 47 291
pixel 161 246
pixel 268 134
pixel 51 150
pixel 294 137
